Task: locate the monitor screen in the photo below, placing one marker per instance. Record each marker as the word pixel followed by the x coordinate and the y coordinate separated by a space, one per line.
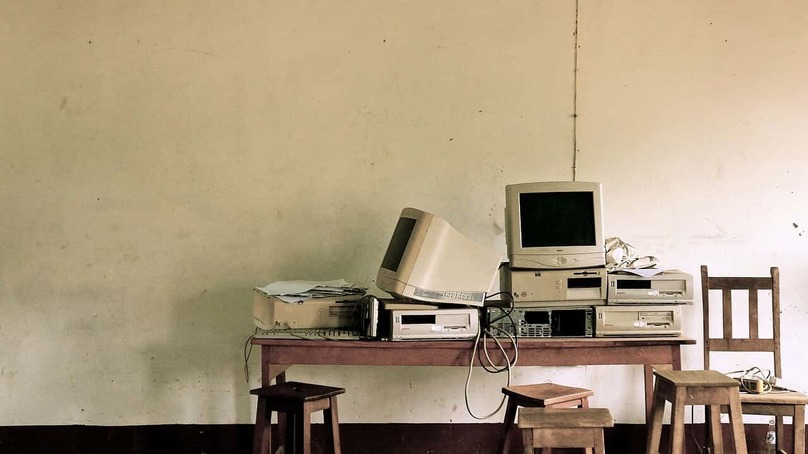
pixel 398 243
pixel 557 219
pixel 554 225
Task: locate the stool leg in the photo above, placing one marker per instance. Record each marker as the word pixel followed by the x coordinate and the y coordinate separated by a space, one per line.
pixel 678 422
pixel 713 415
pixel 510 414
pixel 585 404
pixel 303 431
pixel 655 424
pixel 331 420
pixel 736 420
pixel 600 445
pixel 262 434
pixel 285 427
pixel 527 440
pixel 291 444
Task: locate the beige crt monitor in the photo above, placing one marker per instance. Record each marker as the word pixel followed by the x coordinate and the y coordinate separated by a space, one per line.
pixel 554 225
pixel 427 260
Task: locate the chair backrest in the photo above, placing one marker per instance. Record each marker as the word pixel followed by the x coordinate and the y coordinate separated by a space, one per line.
pixel 752 287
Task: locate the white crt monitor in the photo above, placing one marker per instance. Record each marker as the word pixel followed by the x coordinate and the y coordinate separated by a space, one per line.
pixel 554 225
pixel 429 261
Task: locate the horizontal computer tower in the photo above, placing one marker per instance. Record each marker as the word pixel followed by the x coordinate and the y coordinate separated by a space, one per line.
pixel 666 287
pixel 622 321
pixel 553 288
pixel 537 322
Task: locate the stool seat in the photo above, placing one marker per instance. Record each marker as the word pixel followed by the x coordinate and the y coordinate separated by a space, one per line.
pixel 298 400
pixel 547 395
pixel 564 428
pixel 695 387
pixel 537 395
pixel 293 391
pixel 553 418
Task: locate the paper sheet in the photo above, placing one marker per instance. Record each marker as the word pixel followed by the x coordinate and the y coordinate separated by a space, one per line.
pixel 297 291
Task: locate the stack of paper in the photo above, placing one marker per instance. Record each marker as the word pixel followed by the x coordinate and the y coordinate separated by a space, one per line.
pixel 299 291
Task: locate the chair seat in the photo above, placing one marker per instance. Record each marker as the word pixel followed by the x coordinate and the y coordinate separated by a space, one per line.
pixel 773 403
pixel 775 398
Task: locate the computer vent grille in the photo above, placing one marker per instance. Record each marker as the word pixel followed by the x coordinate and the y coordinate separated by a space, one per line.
pixel 450 296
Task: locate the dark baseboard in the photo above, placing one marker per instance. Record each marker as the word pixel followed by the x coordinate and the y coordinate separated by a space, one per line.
pixel 356 439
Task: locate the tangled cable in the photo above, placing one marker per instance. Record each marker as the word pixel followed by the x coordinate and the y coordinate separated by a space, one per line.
pixel 754 380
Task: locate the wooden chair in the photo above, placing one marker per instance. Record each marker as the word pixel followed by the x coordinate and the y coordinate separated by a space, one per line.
pixel 547 395
pixel 564 428
pixel 778 403
pixel 298 400
pixel 694 387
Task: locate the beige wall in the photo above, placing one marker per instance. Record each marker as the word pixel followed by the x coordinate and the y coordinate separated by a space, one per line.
pixel 159 160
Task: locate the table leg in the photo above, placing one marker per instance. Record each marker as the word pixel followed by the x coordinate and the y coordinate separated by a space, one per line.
pixel 648 378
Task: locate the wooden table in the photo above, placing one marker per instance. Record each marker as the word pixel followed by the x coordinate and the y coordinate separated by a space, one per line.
pixel 277 355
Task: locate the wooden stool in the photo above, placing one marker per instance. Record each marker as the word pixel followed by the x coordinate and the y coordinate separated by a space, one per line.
pixel 299 400
pixel 564 428
pixel 548 395
pixel 695 387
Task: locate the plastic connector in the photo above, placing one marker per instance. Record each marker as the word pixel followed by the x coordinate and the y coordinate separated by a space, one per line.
pixel 753 385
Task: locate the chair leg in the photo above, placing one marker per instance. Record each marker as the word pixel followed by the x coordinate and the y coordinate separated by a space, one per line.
pixel 510 427
pixel 798 424
pixel 779 432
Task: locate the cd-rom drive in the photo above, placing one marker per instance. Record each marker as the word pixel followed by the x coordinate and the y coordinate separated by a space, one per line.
pixel 541 321
pixel 433 324
pixel 667 287
pixel 624 321
pixel 553 288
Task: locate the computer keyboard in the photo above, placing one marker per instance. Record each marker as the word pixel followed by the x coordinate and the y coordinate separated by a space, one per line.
pixel 307 333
